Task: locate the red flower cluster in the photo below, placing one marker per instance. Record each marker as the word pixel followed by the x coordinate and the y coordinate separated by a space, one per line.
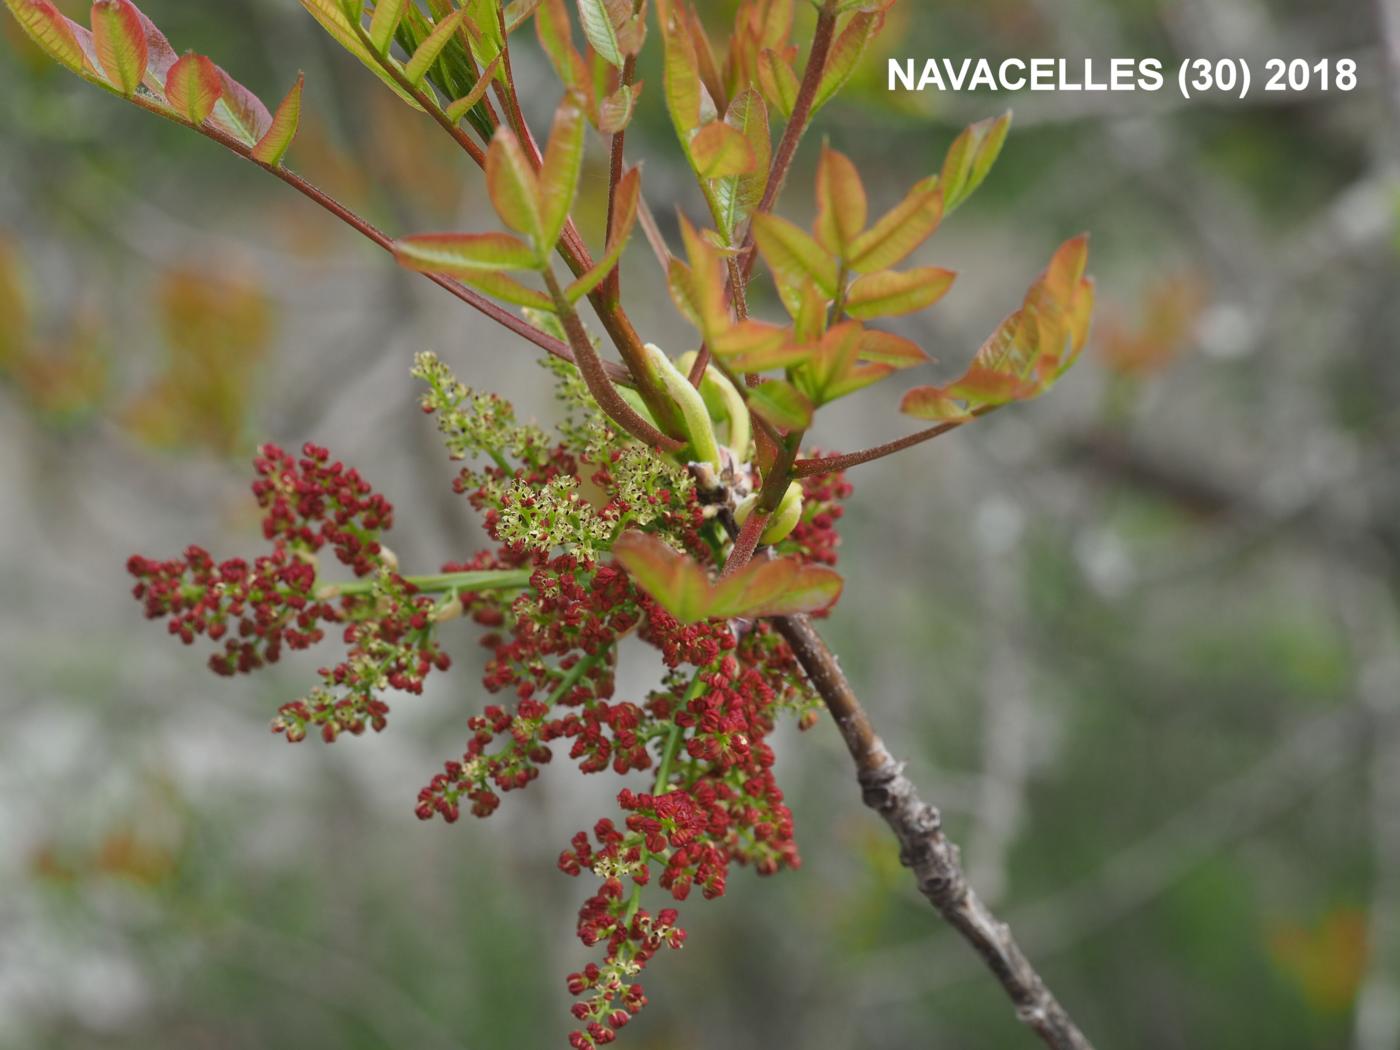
pixel 391 645
pixel 815 536
pixel 253 609
pixel 633 936
pixel 715 799
pixel 257 609
pixel 557 659
pixel 715 802
pixel 310 503
pixel 701 737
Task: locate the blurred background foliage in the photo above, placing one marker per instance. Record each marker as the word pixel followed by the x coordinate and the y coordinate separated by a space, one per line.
pixel 1139 639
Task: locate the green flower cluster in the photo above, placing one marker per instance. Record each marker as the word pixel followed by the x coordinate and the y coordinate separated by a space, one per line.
pixel 472 422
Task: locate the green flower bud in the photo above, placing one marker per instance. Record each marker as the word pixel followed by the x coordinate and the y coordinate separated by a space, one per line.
pixel 694 415
pixel 724 402
pixel 784 519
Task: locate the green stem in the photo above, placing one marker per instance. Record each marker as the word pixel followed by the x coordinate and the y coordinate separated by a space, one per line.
pixel 575 675
pixel 485 580
pixel 668 754
pixel 673 737
pixel 663 774
pixel 633 903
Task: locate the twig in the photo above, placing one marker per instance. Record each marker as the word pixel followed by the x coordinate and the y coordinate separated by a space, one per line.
pixel 612 284
pixel 797 123
pixel 805 468
pixel 571 246
pixel 655 238
pixel 599 385
pixel 745 543
pixel 367 229
pixel 923 846
pixel 1307 758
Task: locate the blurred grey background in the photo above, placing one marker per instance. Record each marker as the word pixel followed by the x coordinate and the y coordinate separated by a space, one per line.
pixel 1137 639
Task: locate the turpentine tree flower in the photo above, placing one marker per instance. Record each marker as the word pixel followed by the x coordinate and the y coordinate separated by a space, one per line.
pixel 679 501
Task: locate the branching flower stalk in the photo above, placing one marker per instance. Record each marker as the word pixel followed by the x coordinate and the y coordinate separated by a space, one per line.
pixel 673 503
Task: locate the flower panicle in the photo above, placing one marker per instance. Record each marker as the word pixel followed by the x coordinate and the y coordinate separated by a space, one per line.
pixel 552 508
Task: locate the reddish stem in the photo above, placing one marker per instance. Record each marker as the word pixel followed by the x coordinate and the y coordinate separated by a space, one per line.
pixel 737 299
pixel 806 468
pixel 775 484
pixel 594 374
pixel 571 247
pixel 612 284
pixel 745 543
pixel 797 123
pixel 702 362
pixel 509 99
pixel 377 236
pixel 659 248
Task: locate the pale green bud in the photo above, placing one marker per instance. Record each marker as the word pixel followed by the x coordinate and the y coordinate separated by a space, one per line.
pixel 694 415
pixel 724 402
pixel 784 519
